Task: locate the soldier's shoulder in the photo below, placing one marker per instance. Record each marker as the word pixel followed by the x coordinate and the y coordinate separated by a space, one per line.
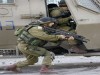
pixel 36 28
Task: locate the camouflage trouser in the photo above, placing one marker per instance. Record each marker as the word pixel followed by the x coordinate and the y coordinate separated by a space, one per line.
pixel 32 53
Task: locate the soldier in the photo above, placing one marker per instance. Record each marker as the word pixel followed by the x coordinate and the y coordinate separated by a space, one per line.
pixel 30 42
pixel 65 22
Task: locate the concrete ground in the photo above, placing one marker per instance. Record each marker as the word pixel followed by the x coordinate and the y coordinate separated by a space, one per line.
pixel 70 66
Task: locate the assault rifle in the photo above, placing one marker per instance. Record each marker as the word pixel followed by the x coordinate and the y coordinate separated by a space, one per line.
pixel 66 33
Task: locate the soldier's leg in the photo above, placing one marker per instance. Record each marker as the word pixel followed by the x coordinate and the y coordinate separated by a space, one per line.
pixel 30 60
pixel 30 56
pixel 32 53
pixel 48 58
pixel 38 51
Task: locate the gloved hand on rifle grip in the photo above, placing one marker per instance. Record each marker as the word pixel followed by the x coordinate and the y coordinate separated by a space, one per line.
pixel 70 38
pixel 63 37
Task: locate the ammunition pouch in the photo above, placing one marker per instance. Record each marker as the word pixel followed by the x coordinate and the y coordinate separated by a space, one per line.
pixel 31 40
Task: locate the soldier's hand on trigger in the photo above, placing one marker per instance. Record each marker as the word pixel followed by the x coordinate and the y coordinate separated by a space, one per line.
pixel 62 37
pixel 70 38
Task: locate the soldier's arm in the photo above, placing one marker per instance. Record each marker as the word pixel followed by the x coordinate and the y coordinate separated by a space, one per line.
pixel 39 33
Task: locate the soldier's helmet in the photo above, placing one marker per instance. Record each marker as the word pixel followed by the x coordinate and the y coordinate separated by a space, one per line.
pixel 62 3
pixel 45 20
pixel 50 6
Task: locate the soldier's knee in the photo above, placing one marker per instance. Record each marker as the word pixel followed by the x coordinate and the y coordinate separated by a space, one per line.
pixel 52 55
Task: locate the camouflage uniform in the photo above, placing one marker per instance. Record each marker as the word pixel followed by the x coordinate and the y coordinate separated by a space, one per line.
pixel 32 52
pixel 30 42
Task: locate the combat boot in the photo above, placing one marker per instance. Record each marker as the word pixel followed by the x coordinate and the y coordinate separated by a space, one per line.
pixel 44 69
pixel 12 68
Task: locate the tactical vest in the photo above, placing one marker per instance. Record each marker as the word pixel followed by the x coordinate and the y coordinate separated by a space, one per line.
pixel 29 39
